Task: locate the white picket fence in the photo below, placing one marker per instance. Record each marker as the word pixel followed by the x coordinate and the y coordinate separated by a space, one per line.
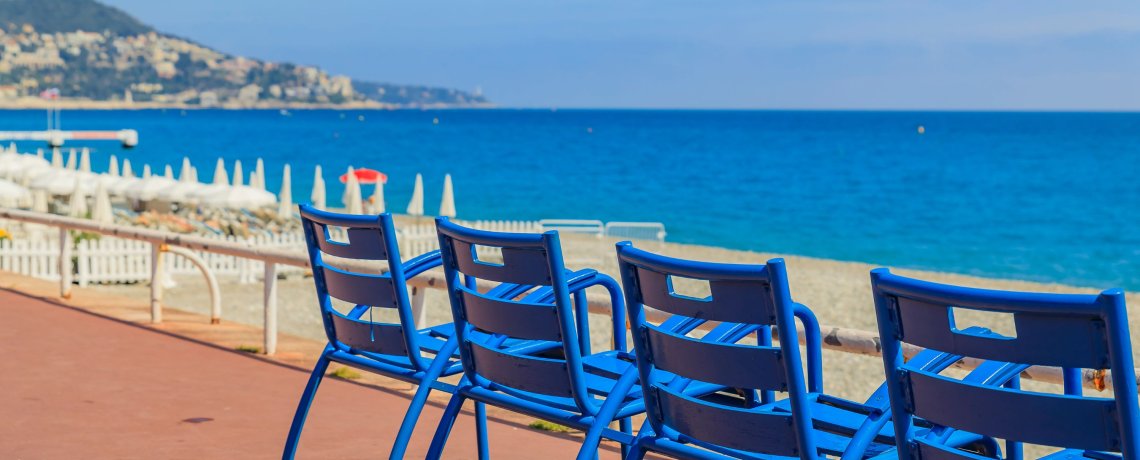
pixel 38 258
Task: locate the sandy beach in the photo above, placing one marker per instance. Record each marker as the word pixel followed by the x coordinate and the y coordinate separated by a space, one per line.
pixel 838 292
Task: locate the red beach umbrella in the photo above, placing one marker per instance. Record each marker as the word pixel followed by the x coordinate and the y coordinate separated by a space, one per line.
pixel 366 176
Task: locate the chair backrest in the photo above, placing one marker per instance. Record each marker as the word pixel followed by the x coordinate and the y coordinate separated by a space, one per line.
pixel 529 260
pixel 370 238
pixel 1070 331
pixel 752 295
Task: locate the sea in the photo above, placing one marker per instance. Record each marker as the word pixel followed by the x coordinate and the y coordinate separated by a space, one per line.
pixel 1040 196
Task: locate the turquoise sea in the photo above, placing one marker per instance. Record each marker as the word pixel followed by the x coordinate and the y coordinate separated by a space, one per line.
pixel 1038 196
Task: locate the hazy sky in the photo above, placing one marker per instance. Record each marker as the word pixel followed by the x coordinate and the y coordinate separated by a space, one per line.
pixel 720 54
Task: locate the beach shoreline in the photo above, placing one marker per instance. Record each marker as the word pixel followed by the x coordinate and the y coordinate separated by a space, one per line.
pixel 33 103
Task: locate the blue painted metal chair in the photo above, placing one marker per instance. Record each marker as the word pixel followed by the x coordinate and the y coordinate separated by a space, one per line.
pixel 713 397
pixel 395 350
pixel 743 420
pixel 562 382
pixel 1070 331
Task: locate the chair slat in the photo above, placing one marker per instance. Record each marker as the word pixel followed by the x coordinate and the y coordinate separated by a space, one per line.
pixel 745 429
pixel 734 301
pixel 738 366
pixel 515 319
pixel 384 339
pixel 526 373
pixel 360 289
pixel 363 243
pixel 1064 340
pixel 1070 421
pixel 520 266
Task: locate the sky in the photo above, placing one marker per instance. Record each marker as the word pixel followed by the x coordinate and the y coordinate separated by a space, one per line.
pixel 734 54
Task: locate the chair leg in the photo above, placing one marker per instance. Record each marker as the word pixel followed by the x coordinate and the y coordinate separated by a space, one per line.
pixel 303 406
pixel 404 436
pixel 606 415
pixel 626 426
pixel 481 430
pixel 445 425
pixel 636 452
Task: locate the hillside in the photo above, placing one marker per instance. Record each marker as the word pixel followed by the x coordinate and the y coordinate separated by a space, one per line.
pixel 52 16
pixel 96 54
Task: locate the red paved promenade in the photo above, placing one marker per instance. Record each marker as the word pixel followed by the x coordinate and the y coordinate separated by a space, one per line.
pixel 78 385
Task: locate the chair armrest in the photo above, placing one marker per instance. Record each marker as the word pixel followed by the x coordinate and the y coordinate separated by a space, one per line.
pixel 814 347
pixel 579 281
pixel 422 263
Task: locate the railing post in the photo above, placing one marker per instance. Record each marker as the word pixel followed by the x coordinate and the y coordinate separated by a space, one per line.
pixel 270 308
pixel 82 263
pixel 418 311
pixel 64 263
pixel 156 276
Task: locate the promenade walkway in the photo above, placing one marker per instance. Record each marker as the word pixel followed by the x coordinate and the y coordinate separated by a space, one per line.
pixel 75 384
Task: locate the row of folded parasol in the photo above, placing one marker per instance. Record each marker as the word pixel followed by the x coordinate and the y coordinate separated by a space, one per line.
pixel 26 179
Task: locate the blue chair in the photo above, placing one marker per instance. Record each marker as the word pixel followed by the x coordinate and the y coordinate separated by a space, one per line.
pixel 742 419
pixel 1069 331
pixel 562 381
pixel 395 350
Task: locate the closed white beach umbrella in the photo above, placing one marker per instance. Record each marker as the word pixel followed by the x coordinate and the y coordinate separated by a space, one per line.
pixel 350 179
pixel 77 205
pixel 127 177
pixel 85 160
pixel 146 172
pixel 39 201
pixel 101 211
pixel 317 198
pixel 56 158
pixel 416 205
pixel 285 198
pixel 220 176
pixel 377 200
pixel 353 201
pixel 111 178
pixel 184 174
pixel 257 180
pixel 237 173
pixel 13 195
pixel 12 147
pixel 72 160
pixel 447 204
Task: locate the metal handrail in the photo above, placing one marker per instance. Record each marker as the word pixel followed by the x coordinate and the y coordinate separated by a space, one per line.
pixel 840 339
